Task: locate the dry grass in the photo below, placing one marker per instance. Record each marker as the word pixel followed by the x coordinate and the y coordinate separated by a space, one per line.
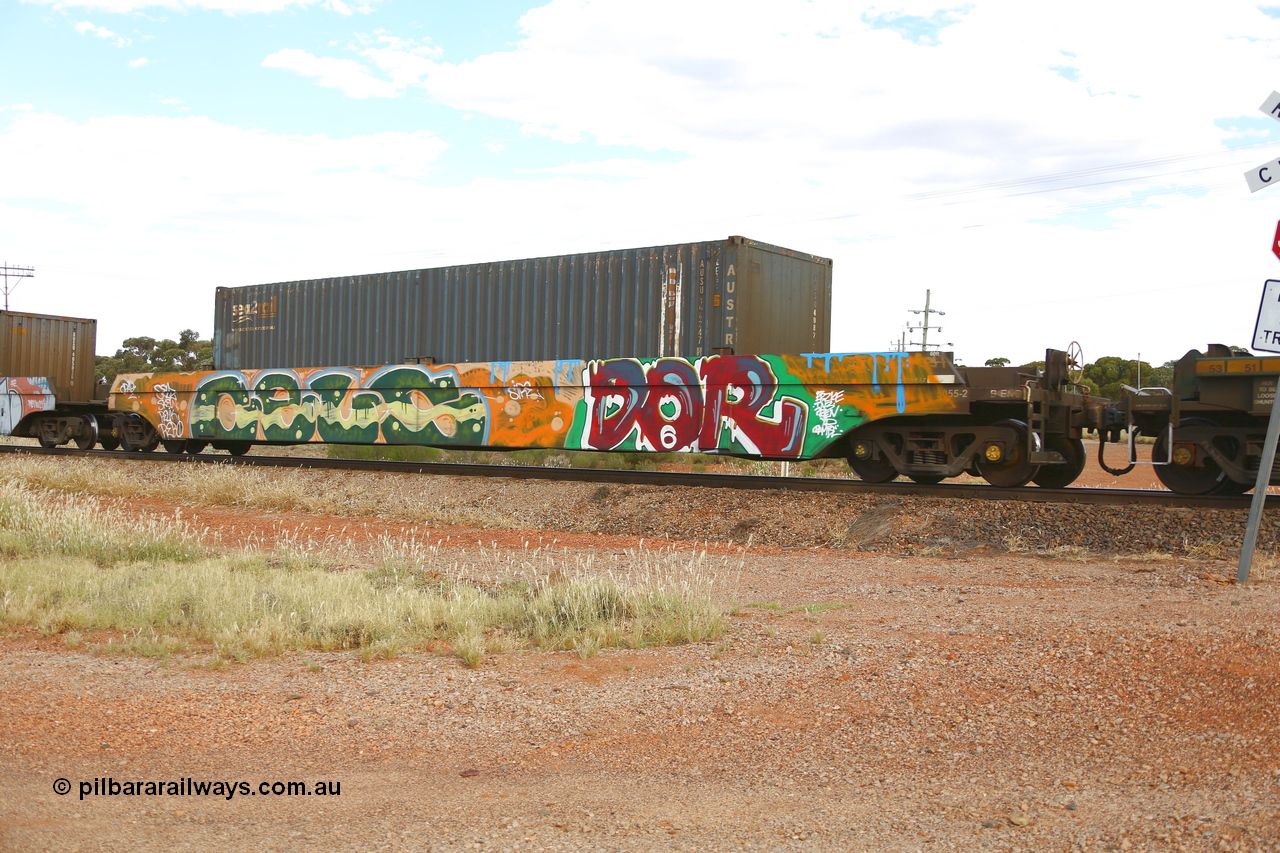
pixel 1147 557
pixel 272 489
pixel 1016 544
pixel 1263 566
pixel 1207 550
pixel 71 571
pixel 36 522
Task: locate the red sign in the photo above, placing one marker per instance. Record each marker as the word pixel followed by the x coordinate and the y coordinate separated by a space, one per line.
pixel 1275 244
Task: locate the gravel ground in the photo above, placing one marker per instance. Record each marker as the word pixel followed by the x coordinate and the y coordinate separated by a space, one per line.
pixel 895 678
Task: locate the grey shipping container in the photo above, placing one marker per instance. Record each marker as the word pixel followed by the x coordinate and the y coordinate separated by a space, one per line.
pixel 688 299
pixel 61 349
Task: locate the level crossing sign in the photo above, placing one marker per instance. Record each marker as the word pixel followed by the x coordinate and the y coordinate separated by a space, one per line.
pixel 1266 337
pixel 1261 177
pixel 1266 332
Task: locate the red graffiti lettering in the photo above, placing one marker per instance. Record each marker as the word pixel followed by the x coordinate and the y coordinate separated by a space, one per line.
pixel 669 405
pixel 618 391
pixel 737 389
pixel 672 414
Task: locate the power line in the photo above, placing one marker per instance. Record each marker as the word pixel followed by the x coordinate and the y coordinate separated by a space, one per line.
pixel 925 327
pixel 1011 188
pixel 14 272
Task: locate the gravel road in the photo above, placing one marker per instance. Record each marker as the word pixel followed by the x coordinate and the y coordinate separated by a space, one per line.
pixel 895 679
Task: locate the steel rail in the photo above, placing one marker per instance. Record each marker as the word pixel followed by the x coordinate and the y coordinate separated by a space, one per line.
pixel 965 491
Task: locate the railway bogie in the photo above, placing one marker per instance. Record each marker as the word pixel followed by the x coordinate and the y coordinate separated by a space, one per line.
pixel 1209 426
pixel 1010 426
pixel 66 425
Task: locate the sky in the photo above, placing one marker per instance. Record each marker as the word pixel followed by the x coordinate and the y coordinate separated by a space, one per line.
pixel 1048 172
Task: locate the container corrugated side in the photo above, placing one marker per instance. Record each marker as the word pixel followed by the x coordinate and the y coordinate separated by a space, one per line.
pixel 785 300
pixel 59 348
pixel 682 299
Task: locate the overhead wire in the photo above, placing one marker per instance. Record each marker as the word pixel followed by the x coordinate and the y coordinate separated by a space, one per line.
pixel 890 207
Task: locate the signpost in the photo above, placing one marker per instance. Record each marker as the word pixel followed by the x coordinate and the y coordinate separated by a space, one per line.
pixel 1261 177
pixel 1266 337
pixel 1266 331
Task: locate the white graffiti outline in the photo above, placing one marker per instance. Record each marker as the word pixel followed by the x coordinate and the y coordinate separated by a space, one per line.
pixel 167 405
pixel 826 406
pixel 521 391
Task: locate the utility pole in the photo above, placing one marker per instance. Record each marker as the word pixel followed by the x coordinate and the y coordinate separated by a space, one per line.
pixel 14 272
pixel 925 327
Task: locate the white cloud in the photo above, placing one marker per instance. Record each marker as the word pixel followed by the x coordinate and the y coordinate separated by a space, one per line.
pixel 404 61
pixel 346 75
pixel 140 62
pixel 163 210
pixel 86 28
pixel 818 83
pixel 230 7
pixel 919 144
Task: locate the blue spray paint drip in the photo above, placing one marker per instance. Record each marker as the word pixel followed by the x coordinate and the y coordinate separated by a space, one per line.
pixel 573 369
pixel 875 362
pixel 826 357
pixel 895 358
pixel 494 367
pixel 902 391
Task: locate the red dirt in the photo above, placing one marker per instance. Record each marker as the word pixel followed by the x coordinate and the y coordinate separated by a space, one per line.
pixel 994 701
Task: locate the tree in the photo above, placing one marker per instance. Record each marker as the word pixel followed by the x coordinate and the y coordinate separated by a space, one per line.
pixel 145 355
pixel 997 362
pixel 1159 377
pixel 1109 374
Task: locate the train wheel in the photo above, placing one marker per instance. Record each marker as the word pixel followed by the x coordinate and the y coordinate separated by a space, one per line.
pixel 194 447
pixel 1205 479
pixel 1013 468
pixel 174 445
pixel 1061 476
pixel 88 436
pixel 1229 486
pixel 108 441
pixel 927 479
pixel 46 442
pixel 873 470
pixel 237 448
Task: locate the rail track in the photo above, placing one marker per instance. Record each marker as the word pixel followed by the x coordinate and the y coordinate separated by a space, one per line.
pixel 964 491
